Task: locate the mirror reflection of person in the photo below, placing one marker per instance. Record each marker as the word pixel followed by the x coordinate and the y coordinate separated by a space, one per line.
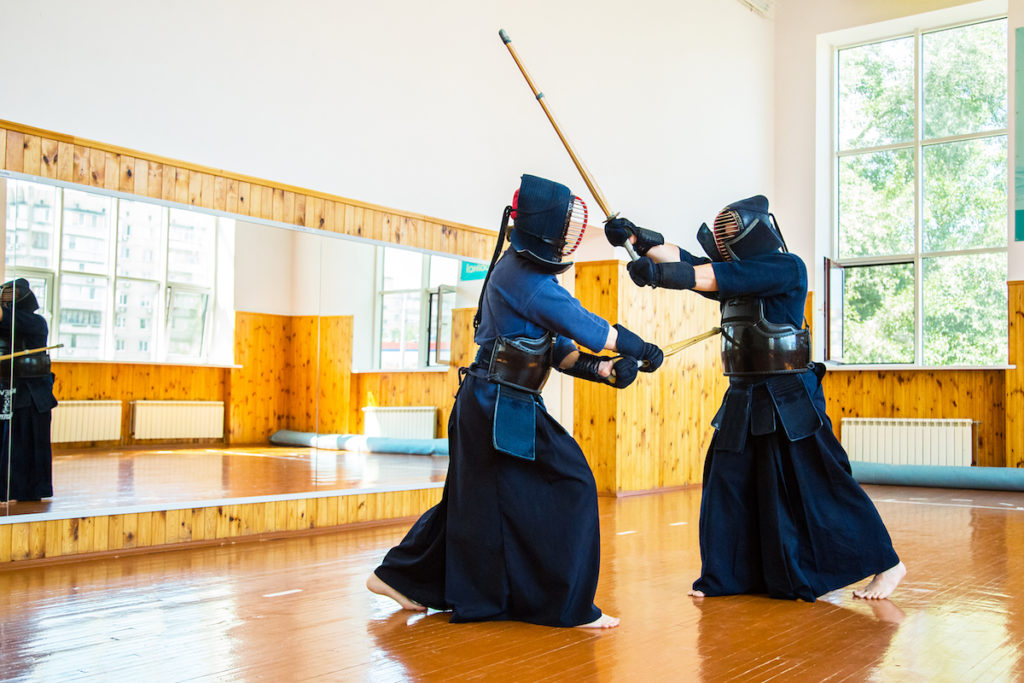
pixel 780 511
pixel 516 534
pixel 26 464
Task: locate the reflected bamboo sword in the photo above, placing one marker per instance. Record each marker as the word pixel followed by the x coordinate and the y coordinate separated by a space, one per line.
pixel 8 356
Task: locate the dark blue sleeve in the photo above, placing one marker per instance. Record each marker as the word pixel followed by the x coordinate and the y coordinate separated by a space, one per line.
pixel 770 275
pixel 555 309
pixel 687 257
pixel 563 347
pixel 27 323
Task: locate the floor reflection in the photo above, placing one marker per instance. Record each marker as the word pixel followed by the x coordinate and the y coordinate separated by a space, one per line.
pixel 297 608
pixel 93 480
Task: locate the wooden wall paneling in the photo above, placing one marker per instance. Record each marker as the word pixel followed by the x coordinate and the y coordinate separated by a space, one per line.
pixel 182 188
pixel 128 382
pixel 80 165
pixel 21 541
pixel 111 171
pixel 65 161
pixel 195 188
pixel 32 161
pixel 255 200
pixel 207 184
pixel 219 201
pixel 97 168
pixel 155 179
pixel 971 394
pixel 242 198
pixel 1014 378
pixel 258 398
pixel 300 350
pixel 126 174
pixel 298 208
pixel 49 157
pixel 335 375
pixel 15 153
pixel 3 147
pixel 277 205
pixel 141 178
pixel 595 412
pixel 231 196
pixel 654 433
pixel 6 541
pixel 267 202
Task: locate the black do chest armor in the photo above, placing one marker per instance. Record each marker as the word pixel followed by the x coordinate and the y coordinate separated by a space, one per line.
pixel 752 345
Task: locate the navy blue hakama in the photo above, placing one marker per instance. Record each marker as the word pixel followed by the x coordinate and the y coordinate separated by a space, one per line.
pixel 511 538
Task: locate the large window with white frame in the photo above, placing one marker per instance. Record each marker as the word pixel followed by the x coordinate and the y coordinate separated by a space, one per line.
pixel 415 298
pixel 116 278
pixel 918 265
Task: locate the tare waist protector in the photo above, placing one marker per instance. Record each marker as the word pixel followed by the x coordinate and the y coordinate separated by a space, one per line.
pixel 30 365
pixel 752 345
pixel 520 362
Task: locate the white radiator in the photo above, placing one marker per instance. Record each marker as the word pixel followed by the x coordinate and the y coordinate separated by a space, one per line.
pixel 86 421
pixel 900 441
pixel 177 419
pixel 407 422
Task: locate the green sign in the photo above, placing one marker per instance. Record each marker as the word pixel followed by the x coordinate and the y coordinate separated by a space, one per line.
pixel 472 271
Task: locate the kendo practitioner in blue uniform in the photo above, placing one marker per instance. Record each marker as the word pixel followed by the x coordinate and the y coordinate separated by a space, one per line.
pixel 516 535
pixel 780 512
pixel 26 386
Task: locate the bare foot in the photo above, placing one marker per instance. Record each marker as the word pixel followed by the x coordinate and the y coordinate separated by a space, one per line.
pixel 603 621
pixel 883 584
pixel 375 584
pixel 694 593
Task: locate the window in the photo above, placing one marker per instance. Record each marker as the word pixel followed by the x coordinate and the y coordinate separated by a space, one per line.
pixel 415 297
pixel 918 263
pixel 133 279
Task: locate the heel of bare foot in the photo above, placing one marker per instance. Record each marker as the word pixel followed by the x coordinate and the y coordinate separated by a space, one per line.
pixel 603 621
pixel 377 586
pixel 883 584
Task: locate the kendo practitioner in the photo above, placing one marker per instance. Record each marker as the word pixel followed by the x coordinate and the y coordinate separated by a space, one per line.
pixel 26 386
pixel 516 535
pixel 780 512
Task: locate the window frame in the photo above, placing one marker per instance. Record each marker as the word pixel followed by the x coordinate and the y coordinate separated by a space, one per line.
pixel 430 318
pixel 834 265
pixel 159 341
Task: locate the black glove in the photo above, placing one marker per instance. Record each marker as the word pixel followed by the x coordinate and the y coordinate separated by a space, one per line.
pixel 586 367
pixel 618 231
pixel 649 355
pixel 672 275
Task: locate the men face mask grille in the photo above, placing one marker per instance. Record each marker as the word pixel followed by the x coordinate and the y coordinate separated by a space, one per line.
pixel 576 225
pixel 727 226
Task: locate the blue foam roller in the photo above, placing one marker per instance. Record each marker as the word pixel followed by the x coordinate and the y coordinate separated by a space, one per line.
pixel 939 476
pixel 358 442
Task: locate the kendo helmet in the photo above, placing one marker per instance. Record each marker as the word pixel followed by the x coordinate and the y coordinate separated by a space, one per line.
pixel 18 293
pixel 742 229
pixel 549 222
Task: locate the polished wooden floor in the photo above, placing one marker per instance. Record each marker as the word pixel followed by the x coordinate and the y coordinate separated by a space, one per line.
pixel 90 481
pixel 296 610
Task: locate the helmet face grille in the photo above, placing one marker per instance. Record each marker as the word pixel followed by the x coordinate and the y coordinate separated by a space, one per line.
pixel 576 225
pixel 727 226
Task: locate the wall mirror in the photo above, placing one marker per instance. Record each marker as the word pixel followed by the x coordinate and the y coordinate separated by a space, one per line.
pixel 167 314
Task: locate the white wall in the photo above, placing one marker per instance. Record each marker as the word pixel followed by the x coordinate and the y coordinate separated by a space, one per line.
pixel 415 105
pixel 346 273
